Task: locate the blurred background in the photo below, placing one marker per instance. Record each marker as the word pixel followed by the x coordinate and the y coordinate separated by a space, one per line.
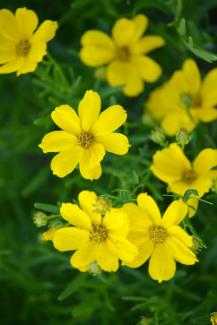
pixel 37 284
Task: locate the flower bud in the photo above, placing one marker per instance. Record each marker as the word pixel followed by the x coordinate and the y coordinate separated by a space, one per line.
pixel 158 136
pixel 95 269
pixel 183 137
pixel 40 219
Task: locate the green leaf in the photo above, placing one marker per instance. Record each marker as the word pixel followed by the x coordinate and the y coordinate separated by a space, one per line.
pixel 73 286
pixel 50 208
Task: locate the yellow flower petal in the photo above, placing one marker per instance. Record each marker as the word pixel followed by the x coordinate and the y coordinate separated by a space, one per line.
pixel 115 142
pixel 106 260
pixel 12 66
pixel 175 213
pixel 57 141
pixel 117 222
pixel 90 173
pixel 170 163
pixel 145 251
pixel 192 206
pixel 84 256
pixel 98 48
pixel 192 75
pixel 208 90
pixel 64 162
pixel 28 66
pixel 46 31
pixel 8 25
pixel 180 251
pixel 49 234
pixel 147 68
pixel 7 55
pixel 162 266
pixel 123 31
pixel 205 161
pixel 138 217
pixel 37 51
pixel 181 235
pixel 148 204
pixel 121 248
pixel 125 74
pixel 147 44
pixel 87 201
pixel 6 44
pixel 74 215
pixel 205 114
pixel 66 118
pixel 89 109
pixel 70 238
pixel 27 21
pixel 109 120
pixel 175 120
pixel 140 26
pixel 92 156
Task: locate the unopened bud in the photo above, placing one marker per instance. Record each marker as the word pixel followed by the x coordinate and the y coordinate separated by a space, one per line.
pixel 95 269
pixel 40 219
pixel 158 136
pixel 183 137
pixel 102 205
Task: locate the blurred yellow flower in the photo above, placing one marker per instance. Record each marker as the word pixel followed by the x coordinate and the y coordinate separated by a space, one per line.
pixel 160 239
pixel 97 239
pixel 125 54
pixel 85 137
pixel 184 100
pixel 21 47
pixel 49 234
pixel 172 167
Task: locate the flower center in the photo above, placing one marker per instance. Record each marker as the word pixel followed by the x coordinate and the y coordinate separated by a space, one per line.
pixel 190 101
pixel 23 47
pixel 189 176
pixel 98 233
pixel 101 206
pixel 158 234
pixel 85 139
pixel 123 53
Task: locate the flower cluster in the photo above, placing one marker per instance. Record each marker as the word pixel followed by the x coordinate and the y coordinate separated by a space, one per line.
pixel 185 100
pixel 102 235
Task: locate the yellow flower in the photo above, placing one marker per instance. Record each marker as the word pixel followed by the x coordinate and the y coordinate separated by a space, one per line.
pixel 95 238
pixel 21 47
pixel 85 137
pixel 125 54
pixel 49 234
pixel 160 239
pixel 185 100
pixel 172 167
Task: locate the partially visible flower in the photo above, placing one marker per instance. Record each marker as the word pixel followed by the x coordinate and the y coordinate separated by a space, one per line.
pixel 96 238
pixel 22 47
pixel 40 219
pixel 125 54
pixel 85 137
pixel 172 167
pixel 184 100
pixel 213 318
pixel 159 238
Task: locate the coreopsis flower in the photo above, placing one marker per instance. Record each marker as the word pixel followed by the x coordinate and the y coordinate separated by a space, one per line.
pixel 124 54
pixel 97 235
pixel 172 167
pixel 159 238
pixel 185 99
pixel 85 137
pixel 22 47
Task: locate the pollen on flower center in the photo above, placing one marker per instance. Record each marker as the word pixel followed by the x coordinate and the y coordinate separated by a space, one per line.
pixel 85 140
pixel 98 233
pixel 158 234
pixel 123 53
pixel 23 48
pixel 189 176
pixel 101 206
